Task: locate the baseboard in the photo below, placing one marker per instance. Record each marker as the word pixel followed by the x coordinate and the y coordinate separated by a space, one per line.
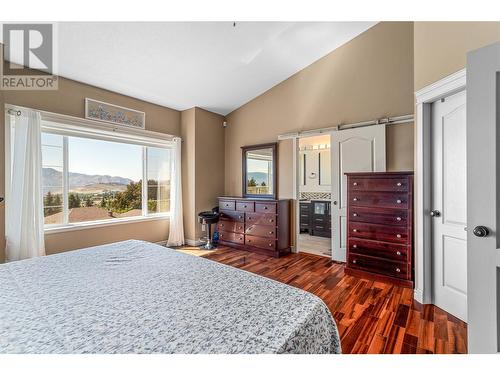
pixel 162 243
pixel 193 242
pixel 418 295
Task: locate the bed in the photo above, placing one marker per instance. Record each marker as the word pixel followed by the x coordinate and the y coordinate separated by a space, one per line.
pixel 139 297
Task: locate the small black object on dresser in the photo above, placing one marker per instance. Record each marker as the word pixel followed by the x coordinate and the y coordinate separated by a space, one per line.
pixel 380 226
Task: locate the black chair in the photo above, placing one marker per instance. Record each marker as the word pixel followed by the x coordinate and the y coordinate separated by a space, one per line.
pixel 208 218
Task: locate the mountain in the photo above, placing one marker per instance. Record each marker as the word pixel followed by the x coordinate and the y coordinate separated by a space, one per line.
pixel 259 177
pixel 83 182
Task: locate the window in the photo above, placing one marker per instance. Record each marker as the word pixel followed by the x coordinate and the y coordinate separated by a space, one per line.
pixel 92 179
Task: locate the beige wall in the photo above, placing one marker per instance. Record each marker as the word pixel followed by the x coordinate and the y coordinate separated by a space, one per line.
pixel 367 78
pixel 440 48
pixel 203 165
pixel 69 100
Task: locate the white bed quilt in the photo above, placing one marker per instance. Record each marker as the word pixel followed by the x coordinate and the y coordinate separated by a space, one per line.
pixel 138 297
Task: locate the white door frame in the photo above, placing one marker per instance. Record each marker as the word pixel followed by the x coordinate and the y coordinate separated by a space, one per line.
pixel 447 86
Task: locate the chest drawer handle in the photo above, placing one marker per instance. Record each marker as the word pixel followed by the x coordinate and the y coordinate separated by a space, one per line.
pixel 399 201
pixel 398 218
pixel 398 252
pixel 354 261
pixel 355 199
pixel 241 238
pixel 399 184
pixel 355 184
pixel 354 230
pixel 398 270
pixel 355 214
pixel 398 235
pixel 354 246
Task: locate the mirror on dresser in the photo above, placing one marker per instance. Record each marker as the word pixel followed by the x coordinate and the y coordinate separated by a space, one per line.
pixel 259 171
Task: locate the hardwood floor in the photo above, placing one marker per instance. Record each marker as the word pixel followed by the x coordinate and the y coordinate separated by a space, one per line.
pixel 372 317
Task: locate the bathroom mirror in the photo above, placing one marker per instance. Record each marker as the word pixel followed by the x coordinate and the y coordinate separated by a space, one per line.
pixel 260 171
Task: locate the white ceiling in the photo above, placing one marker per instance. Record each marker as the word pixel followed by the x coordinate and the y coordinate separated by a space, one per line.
pixel 211 65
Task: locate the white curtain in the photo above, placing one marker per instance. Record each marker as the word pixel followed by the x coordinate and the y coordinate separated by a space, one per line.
pixel 24 214
pixel 176 235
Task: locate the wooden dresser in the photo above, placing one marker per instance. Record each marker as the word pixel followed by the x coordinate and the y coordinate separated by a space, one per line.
pixel 380 226
pixel 259 225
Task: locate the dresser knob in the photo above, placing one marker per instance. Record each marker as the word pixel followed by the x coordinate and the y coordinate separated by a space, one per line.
pixel 221 225
pixel 270 245
pixel 355 214
pixel 354 261
pixel 398 252
pixel 398 218
pixel 245 206
pixel 355 199
pixel 241 238
pixel 398 235
pixel 249 241
pixel 355 184
pixel 240 217
pixel 398 270
pixel 354 246
pixel 271 232
pixel 398 201
pixel 354 230
pixel 398 184
pixel 265 207
pixel 271 220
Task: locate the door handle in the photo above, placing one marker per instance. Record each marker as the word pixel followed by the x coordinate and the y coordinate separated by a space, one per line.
pixel 435 213
pixel 481 231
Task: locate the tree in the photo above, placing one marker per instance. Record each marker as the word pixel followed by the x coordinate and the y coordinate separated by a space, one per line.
pixel 89 202
pixel 74 201
pixel 129 199
pixel 252 182
pixel 263 184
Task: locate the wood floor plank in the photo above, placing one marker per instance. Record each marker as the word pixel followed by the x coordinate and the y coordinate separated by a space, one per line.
pixel 371 316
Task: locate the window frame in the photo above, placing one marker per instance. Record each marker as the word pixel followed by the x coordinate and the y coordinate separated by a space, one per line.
pixel 67 126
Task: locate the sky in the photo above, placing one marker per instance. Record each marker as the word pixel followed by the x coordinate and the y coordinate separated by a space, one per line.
pixel 92 157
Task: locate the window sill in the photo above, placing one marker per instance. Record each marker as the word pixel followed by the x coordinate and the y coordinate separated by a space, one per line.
pixel 102 223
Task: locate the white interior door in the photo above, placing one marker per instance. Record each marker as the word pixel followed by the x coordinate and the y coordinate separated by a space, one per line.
pixel 483 201
pixel 449 205
pixel 353 150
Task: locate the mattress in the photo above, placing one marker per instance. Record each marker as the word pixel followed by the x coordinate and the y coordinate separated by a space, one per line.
pixel 138 297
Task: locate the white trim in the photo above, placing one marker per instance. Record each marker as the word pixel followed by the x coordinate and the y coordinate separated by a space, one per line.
pixel 296 193
pixel 424 98
pixel 444 87
pixel 59 123
pixel 102 223
pixel 194 242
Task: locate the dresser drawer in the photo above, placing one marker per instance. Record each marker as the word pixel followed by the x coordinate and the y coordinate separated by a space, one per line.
pixel 267 231
pixel 227 205
pixel 379 232
pixel 231 226
pixel 384 250
pixel 263 243
pixel 245 206
pixel 264 219
pixel 381 266
pixel 386 216
pixel 379 184
pixel 232 216
pixel 232 237
pixel 265 207
pixel 375 199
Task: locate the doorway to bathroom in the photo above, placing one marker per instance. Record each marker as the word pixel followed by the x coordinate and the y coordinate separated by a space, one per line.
pixel 315 193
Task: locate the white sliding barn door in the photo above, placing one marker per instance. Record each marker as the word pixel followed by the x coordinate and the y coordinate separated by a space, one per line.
pixel 449 205
pixel 353 150
pixel 483 199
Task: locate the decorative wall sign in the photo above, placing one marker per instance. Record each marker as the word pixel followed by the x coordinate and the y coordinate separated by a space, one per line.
pixel 114 114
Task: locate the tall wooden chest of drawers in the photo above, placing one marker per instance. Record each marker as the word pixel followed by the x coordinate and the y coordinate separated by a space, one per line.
pixel 259 225
pixel 380 226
